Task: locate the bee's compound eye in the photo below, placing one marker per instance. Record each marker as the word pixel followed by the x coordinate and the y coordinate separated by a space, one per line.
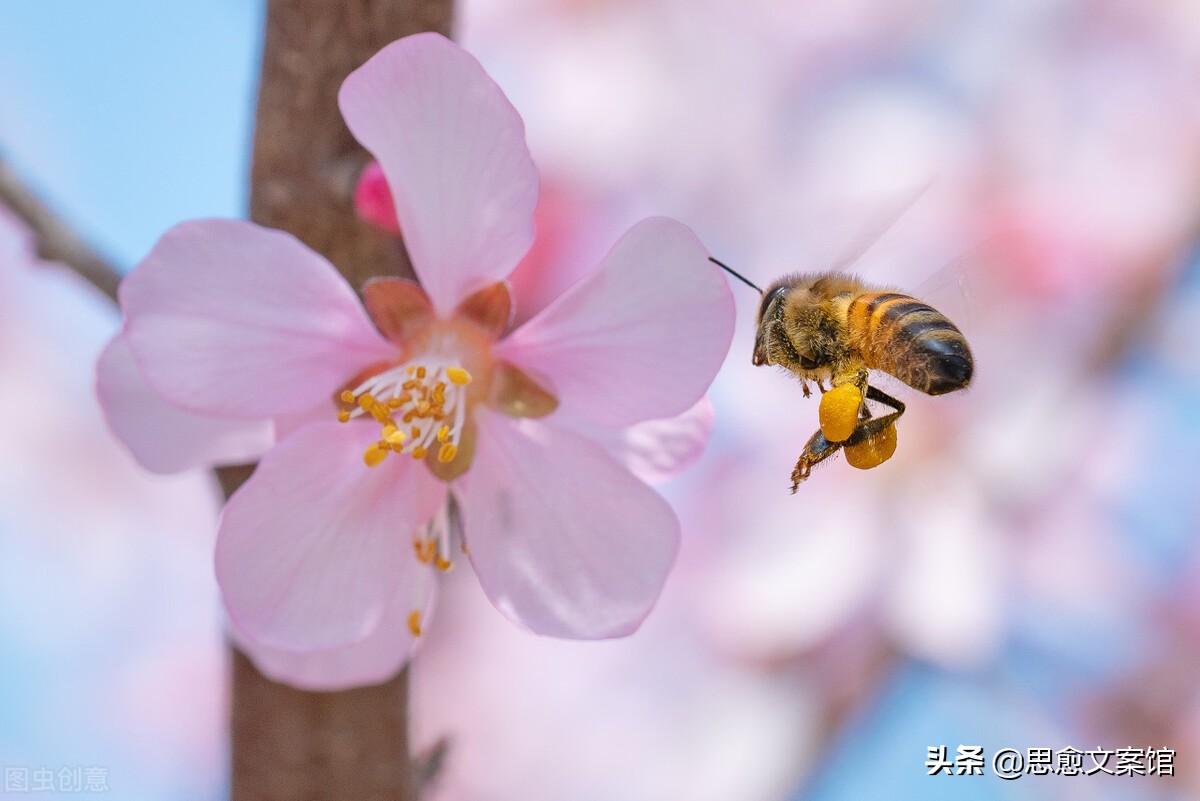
pixel 872 451
pixel 839 412
pixel 769 298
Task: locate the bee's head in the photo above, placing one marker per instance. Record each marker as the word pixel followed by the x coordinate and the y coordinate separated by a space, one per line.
pixel 768 311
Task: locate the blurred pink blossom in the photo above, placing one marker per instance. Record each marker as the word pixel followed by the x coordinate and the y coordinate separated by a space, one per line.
pixel 107 595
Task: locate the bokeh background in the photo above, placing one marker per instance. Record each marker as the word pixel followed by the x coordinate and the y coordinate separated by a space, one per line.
pixel 1022 574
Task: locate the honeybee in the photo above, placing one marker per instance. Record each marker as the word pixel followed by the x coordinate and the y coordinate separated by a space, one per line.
pixel 833 328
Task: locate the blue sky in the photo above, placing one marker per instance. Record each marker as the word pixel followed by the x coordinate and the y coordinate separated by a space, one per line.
pixel 130 115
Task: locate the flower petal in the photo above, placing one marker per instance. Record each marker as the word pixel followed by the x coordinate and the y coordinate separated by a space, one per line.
pixel 654 450
pixel 639 338
pixel 564 540
pixel 313 547
pixel 162 437
pixel 372 660
pixel 453 149
pixel 227 318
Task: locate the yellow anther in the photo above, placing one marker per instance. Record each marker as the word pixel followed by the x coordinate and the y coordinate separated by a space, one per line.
pixel 441 563
pixel 375 453
pixel 414 405
pixel 424 550
pixel 414 622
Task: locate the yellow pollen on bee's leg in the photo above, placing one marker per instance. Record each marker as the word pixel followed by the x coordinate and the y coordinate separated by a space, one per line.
pixel 414 622
pixel 839 410
pixel 873 451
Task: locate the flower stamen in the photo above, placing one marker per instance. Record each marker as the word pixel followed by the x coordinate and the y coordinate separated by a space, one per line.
pixel 432 544
pixel 409 403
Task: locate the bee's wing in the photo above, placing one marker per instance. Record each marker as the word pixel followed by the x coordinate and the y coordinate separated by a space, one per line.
pixel 878 228
pixel 969 285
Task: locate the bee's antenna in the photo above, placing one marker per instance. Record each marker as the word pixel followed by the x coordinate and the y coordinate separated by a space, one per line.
pixel 735 274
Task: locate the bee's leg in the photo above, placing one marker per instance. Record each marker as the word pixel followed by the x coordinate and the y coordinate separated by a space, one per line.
pixel 821 386
pixel 816 450
pixel 873 425
pixel 804 388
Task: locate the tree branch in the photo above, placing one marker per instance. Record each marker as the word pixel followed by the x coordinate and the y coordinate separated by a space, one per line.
pixel 290 744
pixel 55 239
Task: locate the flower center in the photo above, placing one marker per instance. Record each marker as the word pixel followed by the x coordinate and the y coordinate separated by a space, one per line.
pixel 421 407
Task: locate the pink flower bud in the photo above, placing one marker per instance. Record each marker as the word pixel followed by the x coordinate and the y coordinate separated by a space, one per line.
pixel 373 199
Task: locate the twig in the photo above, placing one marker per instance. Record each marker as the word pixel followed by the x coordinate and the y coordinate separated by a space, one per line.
pixel 55 239
pixel 288 744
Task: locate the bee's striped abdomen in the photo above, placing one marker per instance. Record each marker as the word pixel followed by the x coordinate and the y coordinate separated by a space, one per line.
pixel 899 334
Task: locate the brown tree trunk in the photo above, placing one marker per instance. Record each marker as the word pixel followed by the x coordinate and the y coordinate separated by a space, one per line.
pixel 290 744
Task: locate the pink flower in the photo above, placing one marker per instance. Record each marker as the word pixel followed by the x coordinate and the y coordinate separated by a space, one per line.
pixel 398 437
